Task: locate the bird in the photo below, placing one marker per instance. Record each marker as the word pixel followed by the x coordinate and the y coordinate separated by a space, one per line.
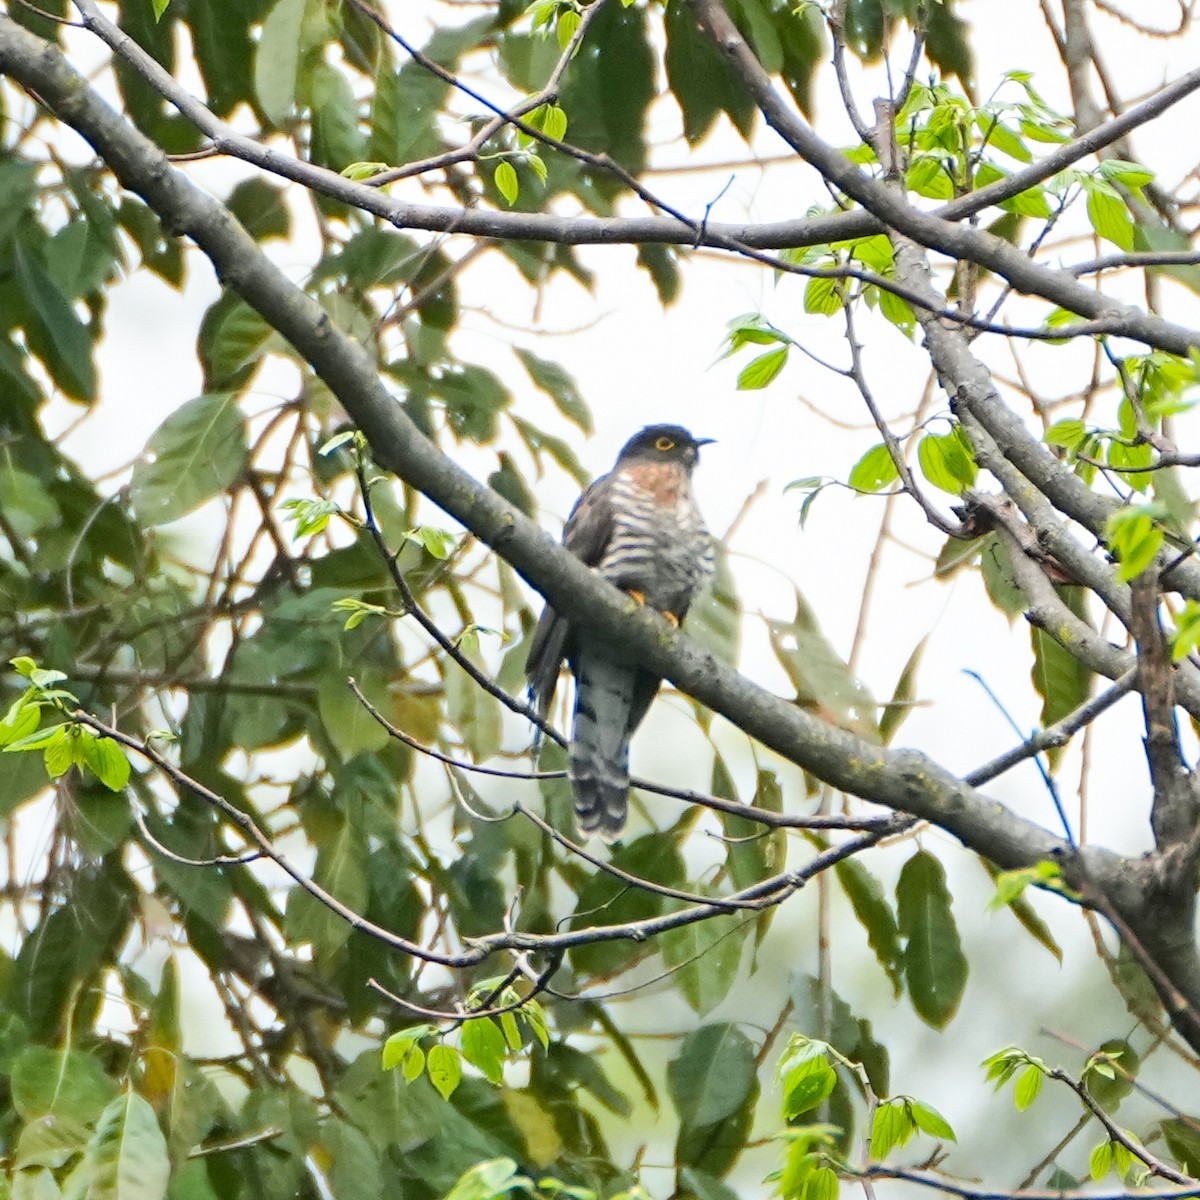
pixel 639 527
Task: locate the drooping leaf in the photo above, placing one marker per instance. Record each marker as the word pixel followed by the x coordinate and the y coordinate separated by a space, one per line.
pixel 197 452
pixel 935 967
pixel 875 915
pixel 712 1076
pixel 1062 681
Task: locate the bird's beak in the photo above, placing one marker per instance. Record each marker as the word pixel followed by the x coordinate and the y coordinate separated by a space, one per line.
pixel 698 442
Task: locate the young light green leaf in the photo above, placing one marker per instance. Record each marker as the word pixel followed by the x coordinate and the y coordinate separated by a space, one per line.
pixel 946 462
pixel 823 296
pixel 506 181
pixel 1067 433
pixel 1108 214
pixel 892 1126
pixel 362 170
pixel 874 471
pixel 762 370
pixel 413 1064
pixel 554 123
pixel 929 1120
pixel 107 761
pixel 1029 1084
pixel 483 1047
pixel 399 1044
pixel 1100 1161
pixel 567 27
pixel 806 1084
pixel 444 1066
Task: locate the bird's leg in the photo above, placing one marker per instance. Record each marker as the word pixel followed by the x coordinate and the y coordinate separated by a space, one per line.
pixel 639 598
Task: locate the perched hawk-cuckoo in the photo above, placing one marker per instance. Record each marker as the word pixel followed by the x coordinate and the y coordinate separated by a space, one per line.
pixel 640 528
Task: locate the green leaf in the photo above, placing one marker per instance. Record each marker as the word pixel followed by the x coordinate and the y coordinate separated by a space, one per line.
pixel 488 1181
pixel 1110 1073
pixel 108 762
pixel 1183 1140
pixel 712 1076
pixel 507 183
pixel 1132 175
pixel 1068 433
pixel 49 1141
pixel 1062 681
pixel 20 721
pixel 715 620
pixel 1108 214
pixel 342 871
pixel 473 713
pixel 1029 1084
pixel 806 1085
pixel 928 1120
pixel 400 1043
pixel 823 295
pixel 1100 1161
pixel 946 461
pixel 483 1046
pixel 277 62
pixel 892 1126
pixel 823 681
pixel 700 79
pixel 444 1066
pixel 68 353
pixel 352 729
pixel 197 452
pixel 553 379
pixel 24 500
pixel 1184 640
pixel 822 1184
pixel 554 122
pixel 934 963
pixel 160 7
pixel 875 915
pixel 1135 539
pixel 761 371
pixel 705 956
pixel 998 576
pixel 874 471
pixel 66 1083
pixel 127 1156
pixel 566 27
pixel 900 705
pixel 414 1064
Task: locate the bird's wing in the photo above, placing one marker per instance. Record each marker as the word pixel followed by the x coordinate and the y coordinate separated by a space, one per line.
pixel 586 535
pixel 590 525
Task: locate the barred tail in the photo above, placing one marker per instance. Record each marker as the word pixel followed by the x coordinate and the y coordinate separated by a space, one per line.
pixel 604 694
pixel 611 698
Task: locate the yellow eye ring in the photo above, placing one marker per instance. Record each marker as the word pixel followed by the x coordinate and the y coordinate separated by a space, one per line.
pixel 664 444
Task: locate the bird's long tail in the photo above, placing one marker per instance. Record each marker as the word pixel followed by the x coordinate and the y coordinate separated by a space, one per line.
pixel 611 699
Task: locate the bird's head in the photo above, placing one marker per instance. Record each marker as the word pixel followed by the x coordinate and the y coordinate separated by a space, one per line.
pixel 663 443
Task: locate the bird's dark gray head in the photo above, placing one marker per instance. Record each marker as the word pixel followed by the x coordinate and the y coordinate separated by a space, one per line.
pixel 663 443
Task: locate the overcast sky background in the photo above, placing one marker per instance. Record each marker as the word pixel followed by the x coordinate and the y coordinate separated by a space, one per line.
pixel 637 364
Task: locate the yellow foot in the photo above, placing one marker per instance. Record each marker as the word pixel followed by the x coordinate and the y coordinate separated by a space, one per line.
pixel 639 598
pixel 671 619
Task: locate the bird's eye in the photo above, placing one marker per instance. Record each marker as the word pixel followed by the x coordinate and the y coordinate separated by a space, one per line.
pixel 664 444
